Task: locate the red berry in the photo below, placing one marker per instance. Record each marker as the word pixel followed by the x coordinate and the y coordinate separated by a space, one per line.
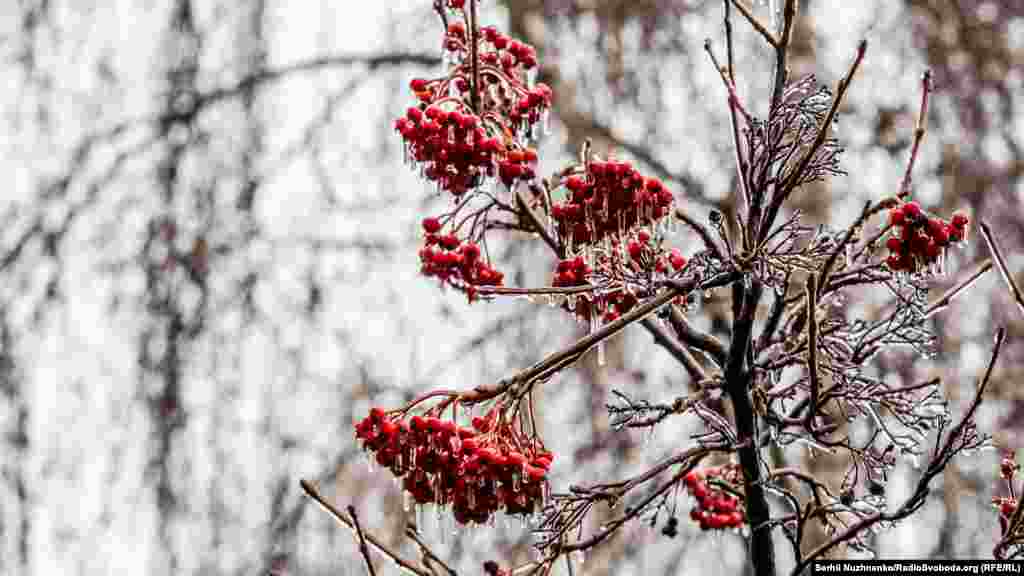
pixel 470 252
pixel 912 210
pixel 431 225
pixel 894 245
pixel 418 84
pixel 1008 507
pixel 376 414
pixel 516 459
pixel 894 262
pixel 535 473
pixel 734 519
pixel 456 29
pixel 643 236
pixel 450 241
pixel 700 491
pixel 677 259
pixel 896 216
pixel 635 249
pixel 960 220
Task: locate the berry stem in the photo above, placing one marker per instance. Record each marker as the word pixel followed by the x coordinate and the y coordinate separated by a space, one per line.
pixel 474 58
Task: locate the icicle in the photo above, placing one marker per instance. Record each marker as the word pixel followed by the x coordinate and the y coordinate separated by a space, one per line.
pixel 571 301
pixel 600 353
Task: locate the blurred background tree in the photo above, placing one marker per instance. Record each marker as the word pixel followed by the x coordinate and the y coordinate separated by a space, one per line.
pixel 209 271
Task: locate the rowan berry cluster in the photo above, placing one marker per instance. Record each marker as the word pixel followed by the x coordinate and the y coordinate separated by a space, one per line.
pixel 476 470
pixel 919 239
pixel 608 198
pixel 642 255
pixel 464 130
pixel 607 212
pixel 455 262
pixel 716 507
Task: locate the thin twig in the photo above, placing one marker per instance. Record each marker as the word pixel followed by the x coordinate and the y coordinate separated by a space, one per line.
pixel 826 270
pixel 695 338
pixel 313 493
pixel 703 232
pixel 955 291
pixel 363 548
pixel 768 35
pixel 536 223
pixel 514 291
pixel 784 189
pixel 1001 264
pixel 679 352
pixel 919 132
pixel 782 51
pixel 474 58
pixel 737 142
pixel 410 531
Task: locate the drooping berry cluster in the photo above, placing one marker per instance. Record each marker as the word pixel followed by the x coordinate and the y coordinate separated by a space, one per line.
pixel 639 257
pixel 919 239
pixel 449 144
pixel 453 261
pixel 607 212
pixel 716 507
pixel 460 134
pixel 476 470
pixel 643 255
pixel 608 198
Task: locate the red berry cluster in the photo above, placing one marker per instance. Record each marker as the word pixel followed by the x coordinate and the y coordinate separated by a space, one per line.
pixel 716 508
pixel 641 255
pixel 458 263
pixel 476 470
pixel 459 138
pixel 918 239
pixel 608 199
pixel 451 146
pixel 571 272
